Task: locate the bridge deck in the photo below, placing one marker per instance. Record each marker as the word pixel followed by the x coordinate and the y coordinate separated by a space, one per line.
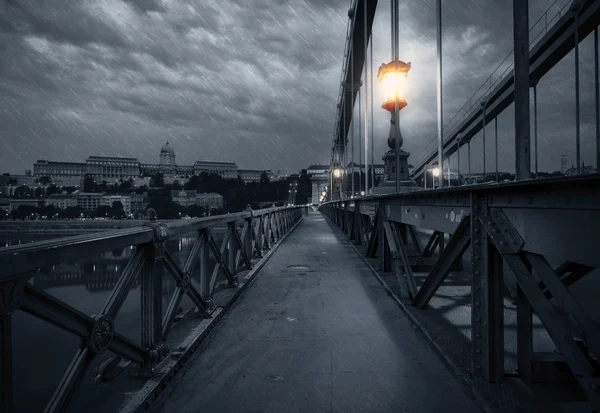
pixel 317 333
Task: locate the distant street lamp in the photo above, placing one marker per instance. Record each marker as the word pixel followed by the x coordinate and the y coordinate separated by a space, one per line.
pixel 337 173
pixel 392 77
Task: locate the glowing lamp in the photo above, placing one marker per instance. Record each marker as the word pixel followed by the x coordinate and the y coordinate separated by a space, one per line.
pixel 392 77
pixel 435 172
pixel 324 193
pixel 337 173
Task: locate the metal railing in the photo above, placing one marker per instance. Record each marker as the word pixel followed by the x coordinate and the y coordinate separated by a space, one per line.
pixel 506 235
pixel 247 235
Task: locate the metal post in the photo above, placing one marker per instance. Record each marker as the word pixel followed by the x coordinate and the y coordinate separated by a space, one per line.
pixel 469 159
pixel 496 145
pixel 575 9
pixel 483 105
pixel 596 76
pixel 458 139
pixel 366 45
pixel 352 115
pixel 359 143
pixel 439 88
pixel 6 382
pixel 521 67
pixel 396 117
pixel 151 292
pixel 372 123
pixel 535 134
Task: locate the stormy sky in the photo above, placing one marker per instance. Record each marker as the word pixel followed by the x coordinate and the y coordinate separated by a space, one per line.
pixel 254 82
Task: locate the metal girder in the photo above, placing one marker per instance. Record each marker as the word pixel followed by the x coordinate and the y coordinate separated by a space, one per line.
pixel 221 262
pixel 69 382
pixel 432 244
pixel 509 243
pixel 45 307
pixel 415 239
pixel 578 363
pixel 587 330
pixel 547 52
pixel 356 56
pixel 403 270
pixel 458 244
pixel 123 286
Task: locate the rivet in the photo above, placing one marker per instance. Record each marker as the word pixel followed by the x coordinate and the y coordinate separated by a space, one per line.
pixel 477 335
pixel 478 320
pixel 477 351
pixel 477 273
pixel 477 304
pixel 478 367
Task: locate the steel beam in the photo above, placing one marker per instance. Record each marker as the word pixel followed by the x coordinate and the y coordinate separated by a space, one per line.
pixel 353 66
pixel 458 244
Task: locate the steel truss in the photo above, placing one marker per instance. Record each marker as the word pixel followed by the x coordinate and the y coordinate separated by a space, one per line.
pixel 247 235
pixel 511 230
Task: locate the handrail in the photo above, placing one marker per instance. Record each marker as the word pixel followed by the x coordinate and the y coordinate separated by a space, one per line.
pixel 247 235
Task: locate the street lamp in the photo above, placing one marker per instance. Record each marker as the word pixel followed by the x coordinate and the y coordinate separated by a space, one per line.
pixel 337 173
pixel 392 77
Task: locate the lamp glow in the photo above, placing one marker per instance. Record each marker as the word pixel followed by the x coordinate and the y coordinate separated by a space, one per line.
pixel 337 173
pixel 435 172
pixel 392 77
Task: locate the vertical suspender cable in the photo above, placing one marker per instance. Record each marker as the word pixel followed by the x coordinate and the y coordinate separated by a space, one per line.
pixel 372 119
pixel 366 45
pixel 577 119
pixel 359 142
pixel 496 144
pixel 597 100
pixel 352 108
pixel 440 127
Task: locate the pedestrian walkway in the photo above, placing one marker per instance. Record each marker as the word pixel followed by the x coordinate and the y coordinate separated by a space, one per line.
pixel 317 332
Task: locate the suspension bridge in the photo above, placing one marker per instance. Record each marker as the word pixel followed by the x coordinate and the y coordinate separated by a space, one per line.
pixel 391 297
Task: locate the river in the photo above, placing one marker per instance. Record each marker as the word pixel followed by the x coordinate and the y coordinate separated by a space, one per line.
pixel 42 352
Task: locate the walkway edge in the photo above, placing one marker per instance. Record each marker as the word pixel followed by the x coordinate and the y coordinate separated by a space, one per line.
pixel 159 387
pixel 462 379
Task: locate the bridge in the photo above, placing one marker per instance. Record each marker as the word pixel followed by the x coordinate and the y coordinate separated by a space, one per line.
pixel 461 298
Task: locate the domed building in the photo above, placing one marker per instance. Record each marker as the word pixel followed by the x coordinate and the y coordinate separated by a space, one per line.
pixel 166 161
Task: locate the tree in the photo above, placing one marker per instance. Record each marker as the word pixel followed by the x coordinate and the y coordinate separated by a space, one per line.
pixel 117 210
pixel 264 178
pixel 44 180
pixel 23 192
pixel 52 189
pixel 176 185
pixel 103 211
pixel 71 212
pixel 89 184
pixel 157 181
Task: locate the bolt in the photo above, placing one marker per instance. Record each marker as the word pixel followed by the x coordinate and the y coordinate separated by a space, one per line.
pixel 478 335
pixel 477 273
pixel 477 351
pixel 477 304
pixel 478 320
pixel 478 367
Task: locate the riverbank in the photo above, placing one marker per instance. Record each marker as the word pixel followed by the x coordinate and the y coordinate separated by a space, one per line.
pixel 66 226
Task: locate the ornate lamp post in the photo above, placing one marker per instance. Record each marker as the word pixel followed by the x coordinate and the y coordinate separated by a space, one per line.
pixel 392 77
